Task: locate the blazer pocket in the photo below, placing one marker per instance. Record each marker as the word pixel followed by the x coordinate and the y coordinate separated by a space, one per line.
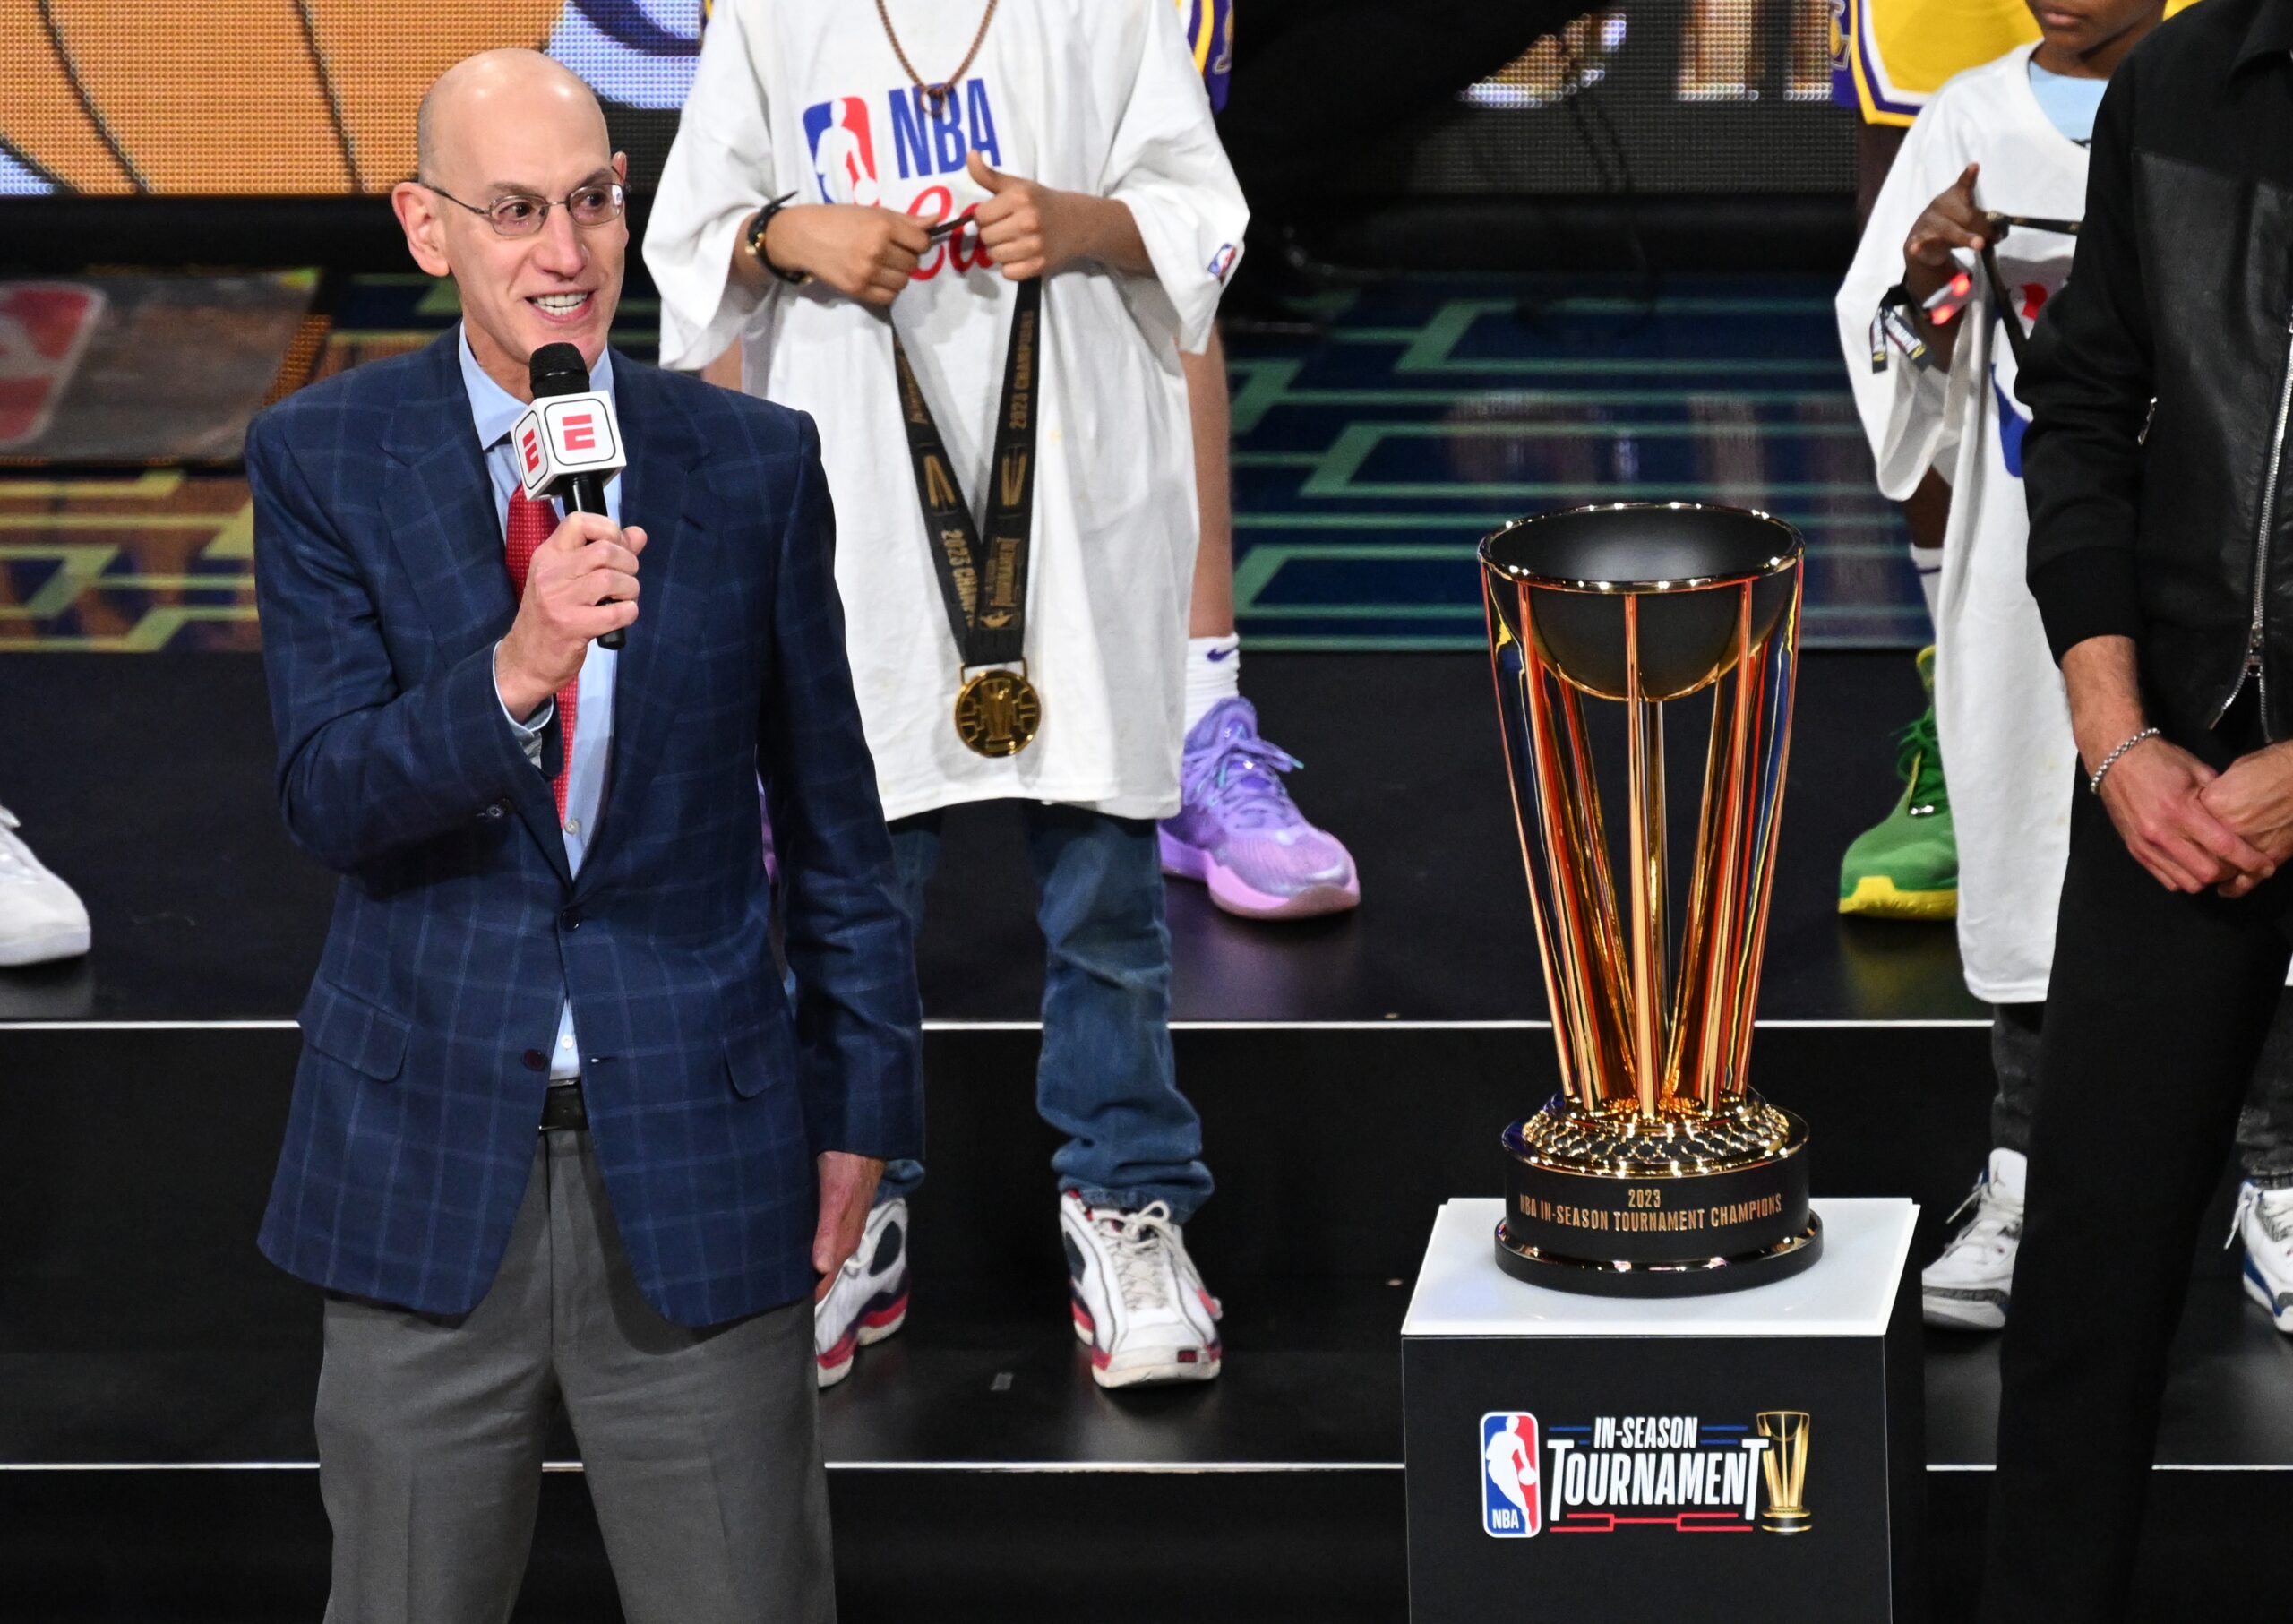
pixel 759 1056
pixel 344 1027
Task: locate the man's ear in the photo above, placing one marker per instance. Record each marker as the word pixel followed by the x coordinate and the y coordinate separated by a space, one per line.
pixel 620 167
pixel 418 218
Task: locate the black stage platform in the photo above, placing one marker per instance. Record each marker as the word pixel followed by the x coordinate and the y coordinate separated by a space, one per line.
pixel 154 1440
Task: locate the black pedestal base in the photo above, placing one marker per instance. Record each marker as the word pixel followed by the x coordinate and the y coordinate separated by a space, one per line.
pixel 1691 1278
pixel 1713 1204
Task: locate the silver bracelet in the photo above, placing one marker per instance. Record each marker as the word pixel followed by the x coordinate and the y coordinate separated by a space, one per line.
pixel 2094 781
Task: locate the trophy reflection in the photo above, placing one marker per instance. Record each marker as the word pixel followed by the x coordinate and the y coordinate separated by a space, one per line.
pixel 1655 1171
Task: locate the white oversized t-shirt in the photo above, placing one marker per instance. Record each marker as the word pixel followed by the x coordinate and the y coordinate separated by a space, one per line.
pixel 1094 96
pixel 1999 705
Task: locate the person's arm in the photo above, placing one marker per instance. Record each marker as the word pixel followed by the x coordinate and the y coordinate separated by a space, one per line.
pixel 859 1020
pixel 1036 230
pixel 1950 222
pixel 2088 378
pixel 724 371
pixel 1914 420
pixel 366 766
pixel 720 170
pixel 865 253
pixel 1165 166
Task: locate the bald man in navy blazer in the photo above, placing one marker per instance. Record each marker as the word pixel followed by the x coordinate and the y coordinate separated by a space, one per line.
pixel 558 1136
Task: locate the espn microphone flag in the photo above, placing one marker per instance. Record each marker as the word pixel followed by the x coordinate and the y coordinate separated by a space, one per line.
pixel 562 436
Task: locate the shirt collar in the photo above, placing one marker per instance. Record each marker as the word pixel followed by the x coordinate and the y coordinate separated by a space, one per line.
pixel 495 411
pixel 2270 34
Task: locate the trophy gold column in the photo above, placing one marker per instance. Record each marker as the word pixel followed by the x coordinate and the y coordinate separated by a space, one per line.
pixel 1656 1170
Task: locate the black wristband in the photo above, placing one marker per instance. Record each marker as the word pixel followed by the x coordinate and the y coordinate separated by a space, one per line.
pixel 753 241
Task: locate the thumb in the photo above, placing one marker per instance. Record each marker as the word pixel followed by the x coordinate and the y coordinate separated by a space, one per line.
pixel 988 179
pixel 1967 178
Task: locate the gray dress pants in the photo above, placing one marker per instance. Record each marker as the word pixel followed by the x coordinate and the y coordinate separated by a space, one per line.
pixel 700 1448
pixel 2264 1127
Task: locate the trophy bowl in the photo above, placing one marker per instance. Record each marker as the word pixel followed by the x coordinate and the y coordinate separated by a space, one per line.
pixel 1655 1171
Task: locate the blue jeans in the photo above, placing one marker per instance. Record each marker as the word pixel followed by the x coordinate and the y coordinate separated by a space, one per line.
pixel 1105 1078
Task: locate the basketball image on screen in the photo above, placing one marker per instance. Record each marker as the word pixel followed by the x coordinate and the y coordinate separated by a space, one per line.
pixel 286 96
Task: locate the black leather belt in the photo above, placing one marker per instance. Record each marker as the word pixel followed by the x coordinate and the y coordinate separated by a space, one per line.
pixel 562 1107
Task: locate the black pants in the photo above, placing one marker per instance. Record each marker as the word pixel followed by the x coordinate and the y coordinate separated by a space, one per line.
pixel 2155 1012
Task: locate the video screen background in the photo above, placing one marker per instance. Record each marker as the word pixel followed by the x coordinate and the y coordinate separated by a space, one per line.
pixel 103 99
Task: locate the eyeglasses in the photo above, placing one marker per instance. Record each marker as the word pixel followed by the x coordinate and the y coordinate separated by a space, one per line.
pixel 515 214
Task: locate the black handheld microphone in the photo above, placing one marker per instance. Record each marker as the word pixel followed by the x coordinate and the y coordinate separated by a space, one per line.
pixel 569 441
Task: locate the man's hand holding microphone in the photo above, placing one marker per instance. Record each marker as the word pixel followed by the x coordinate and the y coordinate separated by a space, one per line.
pixel 582 584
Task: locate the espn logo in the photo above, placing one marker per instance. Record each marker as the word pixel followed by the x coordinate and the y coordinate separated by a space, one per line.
pixel 567 435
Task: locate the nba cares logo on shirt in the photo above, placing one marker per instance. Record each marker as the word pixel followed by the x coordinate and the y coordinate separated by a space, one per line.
pixel 925 141
pixel 844 152
pixel 1510 1505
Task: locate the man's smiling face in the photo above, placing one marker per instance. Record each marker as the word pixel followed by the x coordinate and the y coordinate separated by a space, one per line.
pixel 515 125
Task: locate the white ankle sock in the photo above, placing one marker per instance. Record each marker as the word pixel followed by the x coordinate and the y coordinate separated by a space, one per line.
pixel 1929 562
pixel 1214 672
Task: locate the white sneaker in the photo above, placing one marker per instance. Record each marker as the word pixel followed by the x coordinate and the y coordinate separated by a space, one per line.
pixel 869 1299
pixel 1966 1288
pixel 1140 1306
pixel 2265 1222
pixel 40 917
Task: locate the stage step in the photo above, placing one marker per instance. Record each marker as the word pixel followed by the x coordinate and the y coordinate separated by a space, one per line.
pixel 1353 1074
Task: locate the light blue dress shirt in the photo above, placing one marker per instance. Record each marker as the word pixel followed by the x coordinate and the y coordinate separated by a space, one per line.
pixel 495 411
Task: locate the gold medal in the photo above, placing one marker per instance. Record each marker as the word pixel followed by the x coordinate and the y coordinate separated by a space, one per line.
pixel 998 713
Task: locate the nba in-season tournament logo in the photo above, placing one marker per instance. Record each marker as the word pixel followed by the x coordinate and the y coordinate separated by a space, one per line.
pixel 1679 1473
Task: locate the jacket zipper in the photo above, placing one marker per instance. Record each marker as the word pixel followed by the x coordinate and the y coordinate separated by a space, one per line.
pixel 2255 632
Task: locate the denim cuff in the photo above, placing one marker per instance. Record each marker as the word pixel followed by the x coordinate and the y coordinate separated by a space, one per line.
pixel 1183 1203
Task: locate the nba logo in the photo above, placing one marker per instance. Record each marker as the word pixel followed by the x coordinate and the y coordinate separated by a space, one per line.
pixel 1511 1508
pixel 844 152
pixel 1222 261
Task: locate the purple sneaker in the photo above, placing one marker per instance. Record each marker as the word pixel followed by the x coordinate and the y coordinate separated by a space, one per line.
pixel 1238 831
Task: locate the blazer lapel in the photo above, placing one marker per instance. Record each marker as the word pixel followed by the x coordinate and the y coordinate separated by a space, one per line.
pixel 439 511
pixel 656 495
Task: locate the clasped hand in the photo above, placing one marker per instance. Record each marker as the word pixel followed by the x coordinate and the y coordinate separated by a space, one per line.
pixel 868 253
pixel 2193 828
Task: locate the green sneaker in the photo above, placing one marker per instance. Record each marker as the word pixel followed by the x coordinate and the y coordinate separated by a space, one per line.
pixel 1907 867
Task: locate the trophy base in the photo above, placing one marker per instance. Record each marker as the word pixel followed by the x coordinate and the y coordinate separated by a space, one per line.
pixel 1694 1278
pixel 1690 1204
pixel 1785 1522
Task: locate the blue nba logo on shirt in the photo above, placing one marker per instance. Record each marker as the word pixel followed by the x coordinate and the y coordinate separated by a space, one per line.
pixel 844 152
pixel 1511 1508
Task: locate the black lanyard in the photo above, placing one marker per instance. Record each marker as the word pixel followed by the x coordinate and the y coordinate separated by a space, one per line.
pixel 983 589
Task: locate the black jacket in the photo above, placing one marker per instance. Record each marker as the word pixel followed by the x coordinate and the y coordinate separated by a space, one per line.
pixel 2182 293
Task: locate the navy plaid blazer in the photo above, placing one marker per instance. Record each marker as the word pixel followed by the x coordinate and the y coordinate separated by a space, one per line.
pixel 382 589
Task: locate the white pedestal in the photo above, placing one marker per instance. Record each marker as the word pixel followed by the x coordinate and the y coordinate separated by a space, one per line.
pixel 1658 1436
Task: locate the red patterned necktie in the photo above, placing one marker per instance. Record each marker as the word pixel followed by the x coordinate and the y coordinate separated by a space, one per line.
pixel 530 525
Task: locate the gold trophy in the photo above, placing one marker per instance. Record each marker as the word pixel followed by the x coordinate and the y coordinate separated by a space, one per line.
pixel 1785 1464
pixel 1655 1171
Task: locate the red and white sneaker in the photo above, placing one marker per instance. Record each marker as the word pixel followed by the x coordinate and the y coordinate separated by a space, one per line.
pixel 869 1299
pixel 1141 1305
